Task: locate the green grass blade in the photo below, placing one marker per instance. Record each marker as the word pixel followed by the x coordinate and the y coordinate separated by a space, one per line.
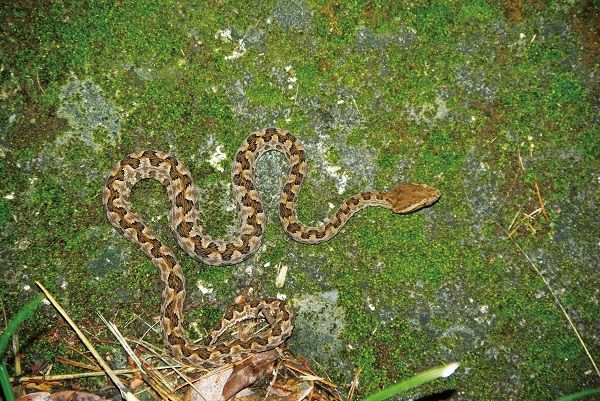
pixel 580 394
pixel 14 323
pixel 417 380
pixel 11 327
pixel 5 383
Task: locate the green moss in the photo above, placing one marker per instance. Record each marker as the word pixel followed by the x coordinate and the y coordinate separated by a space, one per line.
pixel 590 144
pixel 481 11
pixel 388 160
pixel 566 88
pixel 434 21
pixel 5 213
pixel 163 68
pixel 333 155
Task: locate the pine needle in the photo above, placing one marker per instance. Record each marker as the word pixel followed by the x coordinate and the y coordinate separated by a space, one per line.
pixel 125 393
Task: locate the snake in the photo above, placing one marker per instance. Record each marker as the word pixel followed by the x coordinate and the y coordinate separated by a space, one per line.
pixel 192 238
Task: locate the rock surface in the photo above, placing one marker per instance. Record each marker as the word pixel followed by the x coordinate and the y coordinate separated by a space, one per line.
pixel 494 103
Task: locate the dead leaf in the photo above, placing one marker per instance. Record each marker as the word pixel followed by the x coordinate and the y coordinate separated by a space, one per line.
pixel 42 385
pixel 39 396
pixel 296 392
pixel 75 396
pixel 209 387
pixel 135 383
pixel 61 396
pixel 222 384
pixel 248 371
pixel 299 391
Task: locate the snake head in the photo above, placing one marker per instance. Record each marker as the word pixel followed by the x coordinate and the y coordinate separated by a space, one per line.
pixel 410 197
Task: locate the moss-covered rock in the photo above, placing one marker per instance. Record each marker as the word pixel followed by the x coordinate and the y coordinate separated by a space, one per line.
pixel 494 103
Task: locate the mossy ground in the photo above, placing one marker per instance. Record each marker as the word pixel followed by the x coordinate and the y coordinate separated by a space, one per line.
pixel 482 99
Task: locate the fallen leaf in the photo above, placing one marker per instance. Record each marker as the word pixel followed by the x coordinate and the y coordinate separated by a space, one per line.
pixel 61 396
pixel 135 383
pixel 299 391
pixel 39 396
pixel 209 387
pixel 75 396
pixel 296 392
pixel 248 371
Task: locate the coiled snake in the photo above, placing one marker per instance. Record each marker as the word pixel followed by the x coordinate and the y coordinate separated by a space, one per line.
pixel 188 230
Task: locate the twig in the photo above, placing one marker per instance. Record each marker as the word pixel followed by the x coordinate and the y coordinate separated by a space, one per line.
pixel 541 201
pixel 37 77
pixel 125 393
pixel 78 364
pixel 49 369
pixel 17 353
pixel 520 159
pixel 296 95
pixel 25 379
pixel 306 374
pixel 18 358
pixel 515 228
pixel 115 331
pixel 557 300
pixel 176 368
pixel 355 105
pixel 164 391
pixel 526 220
pixel 272 383
pixel 83 355
pixel 530 215
pixel 354 384
pixel 514 219
pixel 289 117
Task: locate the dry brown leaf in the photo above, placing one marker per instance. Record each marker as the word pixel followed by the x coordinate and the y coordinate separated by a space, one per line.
pixel 61 396
pixel 75 395
pixel 39 396
pixel 299 391
pixel 209 387
pixel 222 384
pixel 296 392
pixel 135 383
pixel 248 394
pixel 42 385
pixel 248 371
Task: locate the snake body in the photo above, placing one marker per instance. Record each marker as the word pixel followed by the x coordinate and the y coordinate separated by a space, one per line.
pixel 188 230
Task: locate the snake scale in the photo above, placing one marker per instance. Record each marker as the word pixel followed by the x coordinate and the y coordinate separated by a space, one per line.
pixel 188 230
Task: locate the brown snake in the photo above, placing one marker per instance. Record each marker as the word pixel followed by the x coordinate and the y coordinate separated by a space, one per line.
pixel 188 230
